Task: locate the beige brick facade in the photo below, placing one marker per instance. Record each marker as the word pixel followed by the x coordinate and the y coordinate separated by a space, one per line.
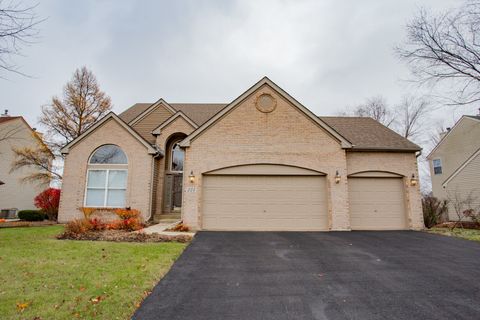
pixel 404 164
pixel 243 136
pixel 75 170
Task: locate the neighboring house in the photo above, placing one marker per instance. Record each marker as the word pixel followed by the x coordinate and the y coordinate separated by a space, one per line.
pixel 455 165
pixel 261 162
pixel 16 195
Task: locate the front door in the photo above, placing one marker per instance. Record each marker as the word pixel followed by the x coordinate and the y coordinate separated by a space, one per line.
pixel 174 179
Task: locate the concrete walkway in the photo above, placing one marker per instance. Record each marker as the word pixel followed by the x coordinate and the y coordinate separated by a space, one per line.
pixel 161 228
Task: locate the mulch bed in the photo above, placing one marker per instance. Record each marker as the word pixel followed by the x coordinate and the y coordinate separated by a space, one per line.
pixel 124 236
pixel 15 224
pixel 463 224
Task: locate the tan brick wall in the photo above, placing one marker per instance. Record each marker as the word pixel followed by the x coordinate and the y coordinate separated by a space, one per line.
pixel 401 163
pixel 179 125
pixel 75 170
pixel 284 136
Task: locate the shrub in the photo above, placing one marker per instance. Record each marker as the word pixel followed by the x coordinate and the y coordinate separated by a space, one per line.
pixel 87 212
pixel 180 227
pixel 79 226
pixel 48 201
pixel 97 225
pixel 31 215
pixel 127 213
pixel 130 224
pixel 473 215
pixel 434 210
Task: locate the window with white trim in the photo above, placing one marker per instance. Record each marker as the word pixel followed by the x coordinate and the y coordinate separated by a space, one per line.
pixel 107 178
pixel 437 166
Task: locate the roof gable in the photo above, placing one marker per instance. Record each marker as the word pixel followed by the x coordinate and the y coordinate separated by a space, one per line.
pixel 114 117
pixel 36 135
pixel 458 124
pixel 160 103
pixel 265 81
pixel 178 114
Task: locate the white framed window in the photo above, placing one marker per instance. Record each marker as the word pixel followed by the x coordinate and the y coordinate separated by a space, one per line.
pixel 437 166
pixel 106 188
pixel 106 181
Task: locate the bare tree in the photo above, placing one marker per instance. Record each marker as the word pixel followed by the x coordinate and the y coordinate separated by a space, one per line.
pixel 445 48
pixel 40 159
pixel 376 108
pixel 82 104
pixel 17 28
pixel 411 113
pixel 462 205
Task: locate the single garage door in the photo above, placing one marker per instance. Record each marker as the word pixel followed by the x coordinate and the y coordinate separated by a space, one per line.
pixel 264 203
pixel 377 204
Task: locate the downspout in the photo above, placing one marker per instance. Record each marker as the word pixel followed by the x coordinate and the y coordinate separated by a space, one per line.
pixel 152 170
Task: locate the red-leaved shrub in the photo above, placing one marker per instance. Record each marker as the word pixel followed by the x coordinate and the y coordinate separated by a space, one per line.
pixel 78 226
pixel 48 201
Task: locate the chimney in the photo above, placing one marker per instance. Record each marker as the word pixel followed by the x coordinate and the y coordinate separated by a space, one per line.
pixel 5 114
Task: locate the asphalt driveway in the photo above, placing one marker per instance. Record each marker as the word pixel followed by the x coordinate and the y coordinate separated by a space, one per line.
pixel 320 275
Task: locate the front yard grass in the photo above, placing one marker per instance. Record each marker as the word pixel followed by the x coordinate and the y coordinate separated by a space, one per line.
pixel 469 234
pixel 45 278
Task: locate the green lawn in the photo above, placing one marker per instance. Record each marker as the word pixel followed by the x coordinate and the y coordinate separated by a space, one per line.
pixel 63 279
pixel 469 234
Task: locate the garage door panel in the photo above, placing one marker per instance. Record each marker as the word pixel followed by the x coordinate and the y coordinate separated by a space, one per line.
pixel 377 204
pixel 262 224
pixel 264 203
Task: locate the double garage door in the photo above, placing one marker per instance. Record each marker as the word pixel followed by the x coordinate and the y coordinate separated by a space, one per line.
pixel 297 203
pixel 264 203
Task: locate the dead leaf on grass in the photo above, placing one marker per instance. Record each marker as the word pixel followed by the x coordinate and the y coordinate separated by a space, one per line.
pixel 97 299
pixel 22 306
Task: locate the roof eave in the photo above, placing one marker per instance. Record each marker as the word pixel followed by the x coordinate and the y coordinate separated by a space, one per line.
pixel 111 115
pixel 386 149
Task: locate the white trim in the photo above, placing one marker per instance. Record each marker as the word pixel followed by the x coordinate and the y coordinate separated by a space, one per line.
pixel 158 130
pixel 448 133
pixel 110 115
pixel 106 188
pixel 459 169
pixel 150 110
pixel 265 81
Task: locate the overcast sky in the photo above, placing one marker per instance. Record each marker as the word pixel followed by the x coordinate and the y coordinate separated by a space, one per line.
pixel 327 54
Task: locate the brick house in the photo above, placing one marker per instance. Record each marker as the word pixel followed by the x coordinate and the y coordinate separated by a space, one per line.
pixel 260 162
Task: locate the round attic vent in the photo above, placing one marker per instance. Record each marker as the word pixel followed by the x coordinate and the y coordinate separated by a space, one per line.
pixel 266 103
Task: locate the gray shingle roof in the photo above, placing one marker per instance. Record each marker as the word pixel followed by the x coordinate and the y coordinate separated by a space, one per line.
pixel 199 112
pixel 364 133
pixel 368 134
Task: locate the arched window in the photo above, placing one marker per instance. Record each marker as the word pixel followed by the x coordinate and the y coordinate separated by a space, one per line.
pixel 177 156
pixel 107 177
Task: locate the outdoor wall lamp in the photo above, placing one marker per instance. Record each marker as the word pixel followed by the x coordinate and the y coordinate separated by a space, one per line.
pixel 413 180
pixel 337 177
pixel 191 177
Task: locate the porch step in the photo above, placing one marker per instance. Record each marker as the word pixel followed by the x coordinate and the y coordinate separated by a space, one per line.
pixel 166 218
